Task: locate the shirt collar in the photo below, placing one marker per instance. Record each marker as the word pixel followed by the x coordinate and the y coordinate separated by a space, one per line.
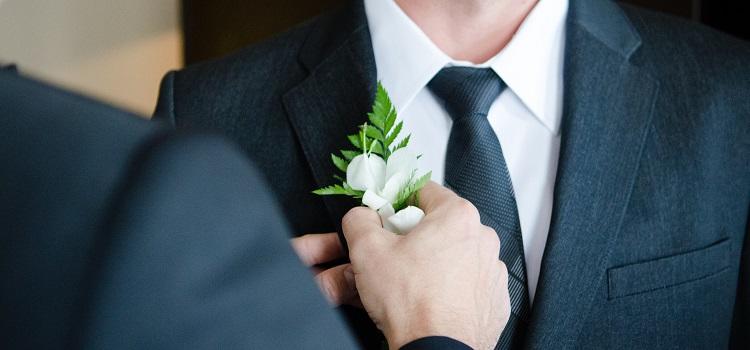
pixel 405 57
pixel 531 64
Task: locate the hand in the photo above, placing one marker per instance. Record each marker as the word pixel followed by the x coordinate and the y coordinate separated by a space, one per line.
pixel 336 283
pixel 443 278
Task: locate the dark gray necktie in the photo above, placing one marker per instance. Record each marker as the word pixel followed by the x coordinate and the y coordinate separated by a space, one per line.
pixel 475 168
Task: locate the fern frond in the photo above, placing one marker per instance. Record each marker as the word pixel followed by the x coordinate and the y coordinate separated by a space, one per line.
pixel 343 189
pixel 409 194
pixel 339 162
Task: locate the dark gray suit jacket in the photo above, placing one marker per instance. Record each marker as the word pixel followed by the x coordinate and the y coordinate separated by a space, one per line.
pixel 116 233
pixel 647 242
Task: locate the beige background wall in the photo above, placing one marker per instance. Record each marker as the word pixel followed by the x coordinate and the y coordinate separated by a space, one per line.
pixel 115 50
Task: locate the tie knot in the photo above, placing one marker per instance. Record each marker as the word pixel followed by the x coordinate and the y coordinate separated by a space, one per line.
pixel 467 91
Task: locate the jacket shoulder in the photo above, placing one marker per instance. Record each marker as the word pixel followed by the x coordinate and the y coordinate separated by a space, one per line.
pixel 248 77
pixel 673 46
pixel 704 79
pixel 257 67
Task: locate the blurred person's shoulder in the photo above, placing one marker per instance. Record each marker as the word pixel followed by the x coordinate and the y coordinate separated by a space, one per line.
pixel 690 56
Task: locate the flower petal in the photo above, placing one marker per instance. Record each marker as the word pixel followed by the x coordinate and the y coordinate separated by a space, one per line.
pixel 373 200
pixel 366 172
pixel 386 212
pixel 405 220
pixel 403 160
pixel 394 185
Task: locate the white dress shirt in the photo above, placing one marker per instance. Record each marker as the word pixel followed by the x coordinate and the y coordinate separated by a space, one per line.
pixel 526 116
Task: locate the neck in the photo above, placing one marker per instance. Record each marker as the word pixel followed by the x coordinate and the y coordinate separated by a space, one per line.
pixel 468 30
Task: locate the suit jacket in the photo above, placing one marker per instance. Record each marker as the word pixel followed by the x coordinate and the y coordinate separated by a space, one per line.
pixel 646 247
pixel 9 68
pixel 119 234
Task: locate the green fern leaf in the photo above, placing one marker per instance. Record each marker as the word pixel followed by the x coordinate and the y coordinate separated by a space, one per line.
pixel 402 144
pixel 331 190
pixel 349 155
pixel 377 148
pixel 375 118
pixel 355 141
pixel 374 133
pixel 339 162
pixel 334 190
pixel 409 194
pixel 390 119
pixel 394 134
pixel 377 136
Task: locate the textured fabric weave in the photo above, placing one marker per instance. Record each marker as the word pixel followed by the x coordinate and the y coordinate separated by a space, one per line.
pixel 476 170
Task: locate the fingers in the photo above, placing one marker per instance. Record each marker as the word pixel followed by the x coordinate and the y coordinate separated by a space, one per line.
pixel 433 195
pixel 338 286
pixel 361 224
pixel 316 249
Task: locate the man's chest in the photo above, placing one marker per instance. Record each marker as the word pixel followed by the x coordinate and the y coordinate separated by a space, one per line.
pixel 671 277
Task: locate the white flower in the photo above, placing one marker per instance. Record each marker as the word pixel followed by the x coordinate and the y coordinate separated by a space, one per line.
pixel 403 221
pixel 382 182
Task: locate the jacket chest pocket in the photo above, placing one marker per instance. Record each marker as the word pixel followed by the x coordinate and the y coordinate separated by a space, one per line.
pixel 668 271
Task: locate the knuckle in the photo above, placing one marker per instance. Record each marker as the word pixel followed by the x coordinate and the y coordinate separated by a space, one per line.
pixel 489 233
pixel 466 210
pixel 351 216
pixel 485 236
pixel 506 297
pixel 491 238
pixel 504 292
pixel 506 310
pixel 503 270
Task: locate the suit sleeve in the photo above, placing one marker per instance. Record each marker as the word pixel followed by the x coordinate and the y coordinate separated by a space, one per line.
pixel 436 343
pixel 741 324
pixel 199 259
pixel 11 68
pixel 164 110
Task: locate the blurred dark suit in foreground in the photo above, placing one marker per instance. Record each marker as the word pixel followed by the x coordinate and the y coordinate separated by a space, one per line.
pixel 117 234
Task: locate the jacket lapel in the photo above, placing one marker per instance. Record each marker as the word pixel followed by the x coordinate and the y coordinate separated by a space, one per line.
pixel 607 112
pixel 335 97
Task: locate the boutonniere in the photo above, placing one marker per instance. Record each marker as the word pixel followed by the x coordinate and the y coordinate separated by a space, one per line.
pixel 381 171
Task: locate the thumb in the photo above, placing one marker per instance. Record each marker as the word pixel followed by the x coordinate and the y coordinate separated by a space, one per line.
pixel 362 228
pixel 433 195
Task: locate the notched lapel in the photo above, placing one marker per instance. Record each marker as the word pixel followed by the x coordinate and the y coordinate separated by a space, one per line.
pixel 607 114
pixel 330 104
